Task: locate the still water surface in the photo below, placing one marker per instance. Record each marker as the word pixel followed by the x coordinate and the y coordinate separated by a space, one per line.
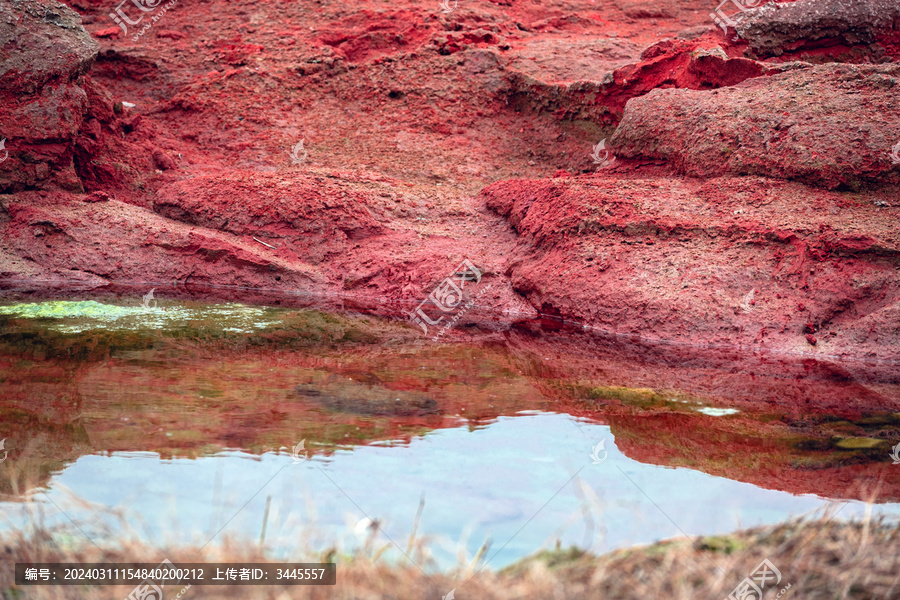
pixel 522 482
pixel 162 427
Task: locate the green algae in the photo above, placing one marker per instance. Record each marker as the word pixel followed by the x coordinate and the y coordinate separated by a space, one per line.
pixel 859 443
pixel 87 315
pixel 646 398
pixel 637 397
pixel 63 309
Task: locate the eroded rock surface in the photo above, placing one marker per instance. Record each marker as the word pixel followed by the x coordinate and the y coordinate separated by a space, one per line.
pixel 831 125
pixel 182 137
pixel 787 27
pixel 730 261
pixel 44 52
pixel 619 73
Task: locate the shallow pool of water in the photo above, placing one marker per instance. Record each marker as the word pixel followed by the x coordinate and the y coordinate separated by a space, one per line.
pixel 179 430
pixel 523 483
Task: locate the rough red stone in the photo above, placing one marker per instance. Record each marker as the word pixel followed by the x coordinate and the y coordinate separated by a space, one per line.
pixel 112 32
pixel 599 89
pixel 45 52
pixel 719 245
pixel 831 125
pixel 407 113
pixel 43 44
pixel 803 25
pixel 319 212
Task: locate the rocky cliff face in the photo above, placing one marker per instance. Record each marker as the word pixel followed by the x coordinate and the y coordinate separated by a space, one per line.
pixel 44 55
pixel 626 166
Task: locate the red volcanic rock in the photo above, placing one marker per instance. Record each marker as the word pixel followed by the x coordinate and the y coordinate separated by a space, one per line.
pixel 646 9
pixel 245 234
pixel 44 44
pixel 409 112
pixel 109 32
pixel 169 34
pixel 579 80
pixel 718 246
pixel 45 51
pixel 163 160
pixel 98 197
pixel 99 146
pixel 830 125
pixel 355 231
pixel 451 42
pixel 811 339
pixel 116 241
pixel 369 34
pixel 791 27
pixel 320 212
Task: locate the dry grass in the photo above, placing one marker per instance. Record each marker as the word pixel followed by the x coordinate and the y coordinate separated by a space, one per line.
pixel 819 558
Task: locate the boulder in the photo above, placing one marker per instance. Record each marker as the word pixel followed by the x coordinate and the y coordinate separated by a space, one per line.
pixel 594 80
pixel 733 262
pixel 784 27
pixel 44 52
pixel 830 125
